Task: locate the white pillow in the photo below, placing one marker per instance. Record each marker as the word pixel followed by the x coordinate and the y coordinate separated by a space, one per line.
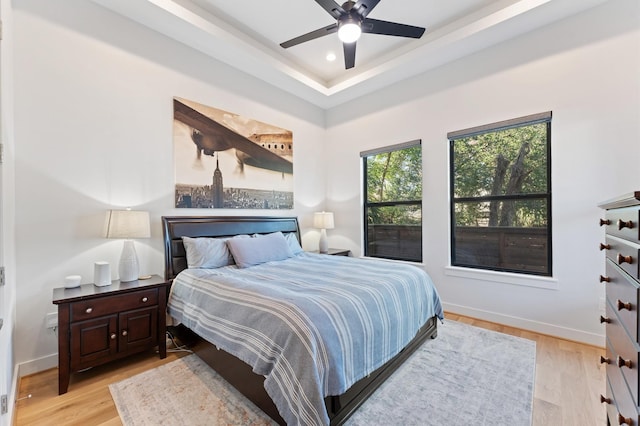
pixel 254 251
pixel 294 245
pixel 208 252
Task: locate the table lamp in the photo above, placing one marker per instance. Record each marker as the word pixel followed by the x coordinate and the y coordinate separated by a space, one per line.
pixel 323 221
pixel 128 224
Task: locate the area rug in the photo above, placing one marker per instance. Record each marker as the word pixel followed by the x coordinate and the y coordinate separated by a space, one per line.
pixel 466 376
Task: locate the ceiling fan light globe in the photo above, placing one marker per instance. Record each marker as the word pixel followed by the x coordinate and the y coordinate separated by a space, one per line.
pixel 349 32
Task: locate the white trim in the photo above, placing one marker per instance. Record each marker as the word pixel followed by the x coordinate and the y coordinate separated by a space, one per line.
pixel 37 365
pixel 13 395
pixel 548 283
pixel 525 324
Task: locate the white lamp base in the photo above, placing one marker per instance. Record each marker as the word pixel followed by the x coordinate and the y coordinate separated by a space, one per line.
pixel 128 268
pixel 324 245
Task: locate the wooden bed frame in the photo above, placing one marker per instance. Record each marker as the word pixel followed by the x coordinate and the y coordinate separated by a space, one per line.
pixel 237 372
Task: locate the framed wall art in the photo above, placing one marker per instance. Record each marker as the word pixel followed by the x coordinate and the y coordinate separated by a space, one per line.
pixel 224 160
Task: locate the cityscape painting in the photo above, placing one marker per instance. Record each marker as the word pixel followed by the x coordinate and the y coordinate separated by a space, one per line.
pixel 224 160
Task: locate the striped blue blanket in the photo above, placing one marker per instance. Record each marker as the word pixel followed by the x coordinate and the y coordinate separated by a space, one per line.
pixel 312 325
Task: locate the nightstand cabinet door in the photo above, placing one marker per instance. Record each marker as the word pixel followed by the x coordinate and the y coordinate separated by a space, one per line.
pixel 92 341
pixel 138 329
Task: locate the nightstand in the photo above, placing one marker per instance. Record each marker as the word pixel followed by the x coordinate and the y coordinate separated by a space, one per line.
pixel 335 252
pixel 101 324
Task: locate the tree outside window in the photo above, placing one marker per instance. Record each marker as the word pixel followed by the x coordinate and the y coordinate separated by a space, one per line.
pixel 501 196
pixel 393 202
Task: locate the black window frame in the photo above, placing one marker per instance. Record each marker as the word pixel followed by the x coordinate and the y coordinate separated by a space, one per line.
pixel 367 204
pixel 546 196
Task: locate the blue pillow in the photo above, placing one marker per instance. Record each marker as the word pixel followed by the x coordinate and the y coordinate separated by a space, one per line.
pixel 254 251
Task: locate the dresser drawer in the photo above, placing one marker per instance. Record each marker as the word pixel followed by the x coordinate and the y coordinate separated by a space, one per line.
pixel 624 402
pixel 626 355
pixel 622 294
pixel 624 254
pixel 623 223
pixel 93 308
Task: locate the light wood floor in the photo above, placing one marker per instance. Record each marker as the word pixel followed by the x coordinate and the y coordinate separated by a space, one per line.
pixel 569 380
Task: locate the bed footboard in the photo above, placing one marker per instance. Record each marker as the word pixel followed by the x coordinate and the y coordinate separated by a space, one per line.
pixel 339 408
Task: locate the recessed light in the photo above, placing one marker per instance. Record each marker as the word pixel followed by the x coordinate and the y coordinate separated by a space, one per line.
pixel 331 56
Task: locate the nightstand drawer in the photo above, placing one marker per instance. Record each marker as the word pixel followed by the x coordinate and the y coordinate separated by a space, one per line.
pixel 94 308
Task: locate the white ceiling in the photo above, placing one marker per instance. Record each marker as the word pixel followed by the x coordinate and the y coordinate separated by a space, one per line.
pixel 247 35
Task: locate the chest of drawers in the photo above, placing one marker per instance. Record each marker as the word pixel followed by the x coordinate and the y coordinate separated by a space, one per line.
pixel 621 244
pixel 100 324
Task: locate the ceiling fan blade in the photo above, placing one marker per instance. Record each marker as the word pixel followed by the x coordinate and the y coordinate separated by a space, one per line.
pixel 349 55
pixel 365 6
pixel 374 26
pixel 332 7
pixel 329 29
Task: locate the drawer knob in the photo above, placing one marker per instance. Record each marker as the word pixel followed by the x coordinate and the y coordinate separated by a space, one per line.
pixel 622 420
pixel 621 305
pixel 604 360
pixel 624 259
pixel 604 279
pixel 88 310
pixel 604 319
pixel 603 399
pixel 605 222
pixel 625 224
pixel 113 336
pixel 124 332
pixel 144 299
pixel 624 362
pixel 605 246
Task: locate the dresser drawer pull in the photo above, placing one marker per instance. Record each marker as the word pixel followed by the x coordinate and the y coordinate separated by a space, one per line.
pixel 604 279
pixel 622 420
pixel 88 310
pixel 605 222
pixel 125 332
pixel 624 259
pixel 605 246
pixel 604 319
pixel 603 399
pixel 113 336
pixel 624 362
pixel 621 305
pixel 144 299
pixel 625 224
pixel 604 360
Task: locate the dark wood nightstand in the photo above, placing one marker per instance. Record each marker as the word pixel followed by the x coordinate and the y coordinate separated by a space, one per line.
pixel 335 252
pixel 100 324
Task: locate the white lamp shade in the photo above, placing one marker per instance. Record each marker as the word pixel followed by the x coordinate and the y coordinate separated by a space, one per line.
pixel 323 220
pixel 127 224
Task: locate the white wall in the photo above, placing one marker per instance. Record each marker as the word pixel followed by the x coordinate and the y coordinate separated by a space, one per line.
pixel 586 70
pixel 93 123
pixel 8 379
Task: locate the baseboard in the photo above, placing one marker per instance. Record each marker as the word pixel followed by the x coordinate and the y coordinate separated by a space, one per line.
pixel 525 324
pixel 38 365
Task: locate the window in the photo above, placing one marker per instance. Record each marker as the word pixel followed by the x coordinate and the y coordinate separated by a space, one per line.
pixel 393 202
pixel 501 196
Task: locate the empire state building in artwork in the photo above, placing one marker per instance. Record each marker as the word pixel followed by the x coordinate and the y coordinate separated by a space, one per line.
pixel 217 193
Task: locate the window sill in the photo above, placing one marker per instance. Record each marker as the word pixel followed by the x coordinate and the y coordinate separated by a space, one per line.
pixel 503 277
pixel 406 262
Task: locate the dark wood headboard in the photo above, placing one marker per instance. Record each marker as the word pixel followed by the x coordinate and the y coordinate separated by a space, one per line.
pixel 176 227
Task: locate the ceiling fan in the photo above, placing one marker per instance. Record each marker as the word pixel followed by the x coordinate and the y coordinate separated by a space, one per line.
pixel 351 21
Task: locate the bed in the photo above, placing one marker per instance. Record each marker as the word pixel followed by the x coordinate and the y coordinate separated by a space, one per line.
pixel 235 285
